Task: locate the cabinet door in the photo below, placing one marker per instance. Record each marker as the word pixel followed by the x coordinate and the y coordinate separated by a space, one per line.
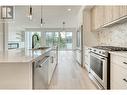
pixel 78 53
pixel 118 77
pixel 108 14
pixel 51 66
pixel 97 17
pixel 123 10
pixel 86 21
pixel 116 12
pixel 52 63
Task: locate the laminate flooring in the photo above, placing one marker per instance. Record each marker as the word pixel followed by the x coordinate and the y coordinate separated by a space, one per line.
pixel 69 74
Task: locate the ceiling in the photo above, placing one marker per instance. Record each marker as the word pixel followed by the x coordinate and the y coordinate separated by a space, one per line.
pixel 53 16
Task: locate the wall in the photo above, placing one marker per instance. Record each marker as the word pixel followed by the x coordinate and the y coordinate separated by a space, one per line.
pixel 3 34
pixel 53 18
pixel 114 36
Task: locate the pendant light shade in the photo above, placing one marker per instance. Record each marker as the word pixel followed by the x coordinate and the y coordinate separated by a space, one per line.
pixel 30 13
pixel 42 20
pixel 63 26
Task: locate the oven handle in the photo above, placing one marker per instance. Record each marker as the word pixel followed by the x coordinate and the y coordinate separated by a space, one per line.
pixel 98 56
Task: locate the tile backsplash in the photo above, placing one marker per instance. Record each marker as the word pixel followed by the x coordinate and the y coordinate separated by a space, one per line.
pixel 114 36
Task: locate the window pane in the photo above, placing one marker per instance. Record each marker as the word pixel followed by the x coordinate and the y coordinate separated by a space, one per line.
pixel 69 40
pixel 49 39
pixel 62 43
pixel 62 39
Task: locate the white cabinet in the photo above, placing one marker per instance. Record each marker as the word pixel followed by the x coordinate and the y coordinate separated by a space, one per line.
pixel 78 56
pixel 53 62
pixel 119 77
pixel 78 52
pixel 118 72
pixel 16 75
pixel 86 58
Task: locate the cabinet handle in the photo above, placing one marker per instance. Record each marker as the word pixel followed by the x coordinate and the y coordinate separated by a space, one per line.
pixel 52 59
pixel 125 80
pixel 125 62
pixel 103 58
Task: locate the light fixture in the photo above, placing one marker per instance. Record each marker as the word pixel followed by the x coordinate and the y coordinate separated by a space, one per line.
pixel 42 22
pixel 69 9
pixel 30 13
pixel 63 26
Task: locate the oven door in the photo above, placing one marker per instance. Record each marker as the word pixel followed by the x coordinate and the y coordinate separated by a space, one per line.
pixel 98 69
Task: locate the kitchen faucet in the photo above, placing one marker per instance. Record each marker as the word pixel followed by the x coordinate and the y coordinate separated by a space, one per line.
pixel 33 39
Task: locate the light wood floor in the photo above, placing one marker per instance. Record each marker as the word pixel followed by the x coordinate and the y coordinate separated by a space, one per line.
pixel 69 75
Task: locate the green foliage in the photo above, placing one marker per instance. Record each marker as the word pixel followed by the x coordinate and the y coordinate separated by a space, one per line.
pixel 54 40
pixel 37 42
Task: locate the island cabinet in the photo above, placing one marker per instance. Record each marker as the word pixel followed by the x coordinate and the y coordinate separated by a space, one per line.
pixel 16 75
pixel 118 72
pixel 27 69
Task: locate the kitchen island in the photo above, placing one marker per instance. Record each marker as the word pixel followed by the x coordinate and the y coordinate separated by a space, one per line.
pixel 17 67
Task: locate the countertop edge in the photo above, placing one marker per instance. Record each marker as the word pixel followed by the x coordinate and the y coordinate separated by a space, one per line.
pixel 119 53
pixel 31 60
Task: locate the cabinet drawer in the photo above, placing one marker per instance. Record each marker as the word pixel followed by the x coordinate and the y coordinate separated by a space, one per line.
pixel 121 61
pixel 118 77
pixel 86 60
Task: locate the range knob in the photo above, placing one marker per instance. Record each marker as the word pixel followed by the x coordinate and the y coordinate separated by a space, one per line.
pixel 103 52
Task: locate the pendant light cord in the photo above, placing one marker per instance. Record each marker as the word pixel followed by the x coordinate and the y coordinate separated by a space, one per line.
pixel 63 26
pixel 41 15
pixel 30 10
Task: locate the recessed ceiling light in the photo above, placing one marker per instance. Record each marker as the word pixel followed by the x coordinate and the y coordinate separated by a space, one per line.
pixel 69 9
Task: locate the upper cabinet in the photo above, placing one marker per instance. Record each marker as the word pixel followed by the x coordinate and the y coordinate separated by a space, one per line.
pixel 97 17
pixel 106 15
pixel 123 10
pixel 116 12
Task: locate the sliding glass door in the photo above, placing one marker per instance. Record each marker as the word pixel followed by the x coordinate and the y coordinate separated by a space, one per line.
pixel 62 39
pixel 69 40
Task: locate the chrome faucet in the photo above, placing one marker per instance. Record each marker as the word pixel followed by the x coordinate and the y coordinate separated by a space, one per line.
pixel 33 39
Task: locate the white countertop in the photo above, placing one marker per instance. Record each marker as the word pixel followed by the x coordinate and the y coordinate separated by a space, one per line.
pixel 119 53
pixel 21 55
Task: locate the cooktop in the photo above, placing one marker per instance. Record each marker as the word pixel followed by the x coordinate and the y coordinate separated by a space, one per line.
pixel 111 48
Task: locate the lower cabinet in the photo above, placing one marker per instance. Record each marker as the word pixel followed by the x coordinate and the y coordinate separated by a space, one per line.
pixel 118 73
pixel 119 77
pixel 86 58
pixel 78 56
pixel 15 76
pixel 52 63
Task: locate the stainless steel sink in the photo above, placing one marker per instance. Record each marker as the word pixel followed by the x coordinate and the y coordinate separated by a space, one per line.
pixel 40 48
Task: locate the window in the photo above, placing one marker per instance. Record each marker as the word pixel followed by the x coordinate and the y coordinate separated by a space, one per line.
pixel 62 39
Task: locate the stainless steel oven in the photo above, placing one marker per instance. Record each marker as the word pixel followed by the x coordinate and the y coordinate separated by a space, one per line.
pixel 98 70
pixel 100 65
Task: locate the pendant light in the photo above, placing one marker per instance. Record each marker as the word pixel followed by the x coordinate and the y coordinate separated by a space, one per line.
pixel 63 26
pixel 30 13
pixel 41 16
